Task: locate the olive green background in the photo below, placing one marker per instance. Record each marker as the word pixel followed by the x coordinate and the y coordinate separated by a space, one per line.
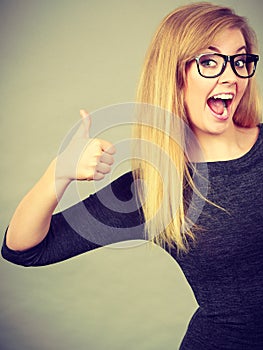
pixel 58 56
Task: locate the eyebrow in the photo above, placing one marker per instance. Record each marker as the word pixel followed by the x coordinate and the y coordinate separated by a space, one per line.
pixel 213 48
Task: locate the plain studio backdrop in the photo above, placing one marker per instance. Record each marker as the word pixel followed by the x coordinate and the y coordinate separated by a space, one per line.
pixel 58 56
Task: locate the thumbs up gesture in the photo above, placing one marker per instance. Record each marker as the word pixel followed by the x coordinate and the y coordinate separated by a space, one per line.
pixel 85 158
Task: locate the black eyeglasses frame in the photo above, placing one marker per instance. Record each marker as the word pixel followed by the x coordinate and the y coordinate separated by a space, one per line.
pixel 227 58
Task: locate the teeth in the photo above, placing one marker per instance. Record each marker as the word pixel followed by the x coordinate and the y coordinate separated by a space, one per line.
pixel 224 96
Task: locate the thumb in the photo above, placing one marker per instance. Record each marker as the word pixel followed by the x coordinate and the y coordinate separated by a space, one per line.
pixel 86 122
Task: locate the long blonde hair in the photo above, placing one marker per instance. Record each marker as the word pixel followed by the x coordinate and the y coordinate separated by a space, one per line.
pixel 179 38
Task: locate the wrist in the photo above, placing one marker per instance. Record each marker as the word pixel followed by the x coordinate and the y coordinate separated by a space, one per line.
pixel 59 181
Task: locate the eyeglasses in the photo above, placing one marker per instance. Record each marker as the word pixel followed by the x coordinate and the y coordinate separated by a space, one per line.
pixel 211 65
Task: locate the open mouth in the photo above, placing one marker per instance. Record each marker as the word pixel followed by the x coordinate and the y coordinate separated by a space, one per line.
pixel 219 105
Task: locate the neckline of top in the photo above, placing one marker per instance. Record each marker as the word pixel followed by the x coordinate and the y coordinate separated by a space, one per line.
pixel 237 163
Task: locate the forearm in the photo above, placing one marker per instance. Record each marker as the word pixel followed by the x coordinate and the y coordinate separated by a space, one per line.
pixel 31 220
pixel 84 159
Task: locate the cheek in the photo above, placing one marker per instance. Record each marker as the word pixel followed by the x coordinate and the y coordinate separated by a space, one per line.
pixel 196 94
pixel 190 87
pixel 190 92
pixel 196 91
pixel 242 87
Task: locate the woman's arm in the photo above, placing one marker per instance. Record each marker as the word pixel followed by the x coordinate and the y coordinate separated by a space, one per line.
pixel 83 159
pixel 108 216
pixel 31 220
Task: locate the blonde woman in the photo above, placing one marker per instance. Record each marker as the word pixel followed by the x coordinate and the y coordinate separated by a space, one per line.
pixel 198 76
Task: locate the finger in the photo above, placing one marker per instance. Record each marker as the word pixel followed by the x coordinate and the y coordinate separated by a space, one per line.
pixel 103 168
pixel 106 158
pixel 86 122
pixel 107 147
pixel 98 176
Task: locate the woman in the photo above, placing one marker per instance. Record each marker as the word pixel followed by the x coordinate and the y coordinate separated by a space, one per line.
pixel 199 70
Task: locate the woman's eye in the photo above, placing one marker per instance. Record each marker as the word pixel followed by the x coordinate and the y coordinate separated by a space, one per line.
pixel 209 63
pixel 240 63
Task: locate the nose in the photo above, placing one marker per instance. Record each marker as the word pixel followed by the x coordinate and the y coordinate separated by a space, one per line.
pixel 228 76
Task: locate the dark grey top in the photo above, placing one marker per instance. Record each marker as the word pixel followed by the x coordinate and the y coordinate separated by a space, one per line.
pixel 224 267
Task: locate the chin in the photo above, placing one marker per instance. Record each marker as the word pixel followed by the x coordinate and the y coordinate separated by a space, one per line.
pixel 212 126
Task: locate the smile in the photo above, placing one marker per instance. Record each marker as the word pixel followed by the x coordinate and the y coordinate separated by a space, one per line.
pixel 219 105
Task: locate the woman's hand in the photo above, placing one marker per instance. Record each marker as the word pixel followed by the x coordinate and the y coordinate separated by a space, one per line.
pixel 85 158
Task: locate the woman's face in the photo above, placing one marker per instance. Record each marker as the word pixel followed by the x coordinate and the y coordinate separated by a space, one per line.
pixel 208 115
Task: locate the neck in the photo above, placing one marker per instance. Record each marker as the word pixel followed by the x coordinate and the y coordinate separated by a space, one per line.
pixel 230 144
